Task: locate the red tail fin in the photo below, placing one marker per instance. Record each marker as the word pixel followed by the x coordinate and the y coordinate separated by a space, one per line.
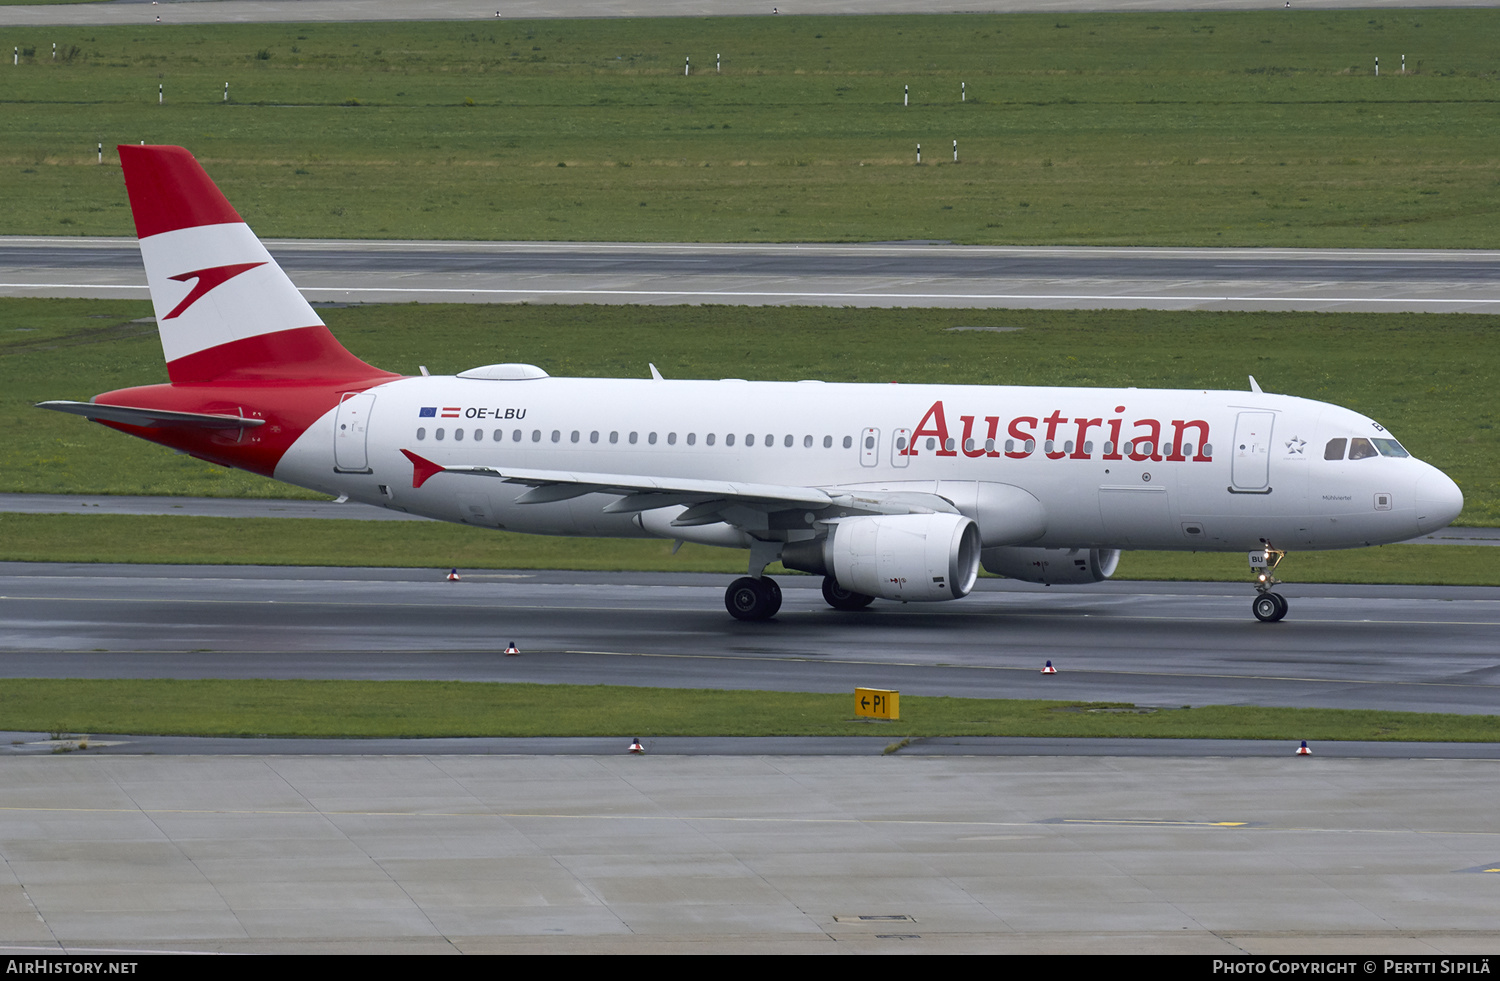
pixel 225 310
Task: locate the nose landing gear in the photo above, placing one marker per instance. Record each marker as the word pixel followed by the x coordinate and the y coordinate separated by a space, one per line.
pixel 1268 605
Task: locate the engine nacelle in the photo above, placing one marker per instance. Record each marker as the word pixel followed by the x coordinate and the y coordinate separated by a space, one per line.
pixel 909 557
pixel 1053 566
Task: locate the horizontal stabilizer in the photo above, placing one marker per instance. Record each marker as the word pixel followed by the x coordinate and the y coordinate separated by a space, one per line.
pixel 130 415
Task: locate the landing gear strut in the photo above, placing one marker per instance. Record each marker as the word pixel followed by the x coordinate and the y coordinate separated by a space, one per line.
pixel 1268 606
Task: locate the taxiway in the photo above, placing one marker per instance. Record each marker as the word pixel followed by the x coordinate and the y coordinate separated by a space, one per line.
pixel 876 275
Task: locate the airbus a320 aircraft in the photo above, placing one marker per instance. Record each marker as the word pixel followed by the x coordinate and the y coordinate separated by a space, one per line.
pixel 898 492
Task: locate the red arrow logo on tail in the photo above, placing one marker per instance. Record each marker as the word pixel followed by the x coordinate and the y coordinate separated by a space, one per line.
pixel 207 280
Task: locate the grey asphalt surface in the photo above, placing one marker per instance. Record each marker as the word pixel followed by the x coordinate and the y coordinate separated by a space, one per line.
pixel 885 275
pixel 1160 645
pixel 762 854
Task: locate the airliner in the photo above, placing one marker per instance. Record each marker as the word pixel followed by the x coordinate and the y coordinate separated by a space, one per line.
pixel 895 492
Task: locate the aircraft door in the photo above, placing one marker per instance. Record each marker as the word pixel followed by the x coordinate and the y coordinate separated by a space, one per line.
pixel 351 431
pixel 1250 466
pixel 869 448
pixel 900 440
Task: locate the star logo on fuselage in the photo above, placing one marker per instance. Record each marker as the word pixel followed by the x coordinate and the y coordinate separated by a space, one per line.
pixel 207 279
pixel 1294 445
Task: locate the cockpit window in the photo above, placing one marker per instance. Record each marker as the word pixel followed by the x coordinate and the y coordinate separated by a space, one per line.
pixel 1335 449
pixel 1389 447
pixel 1360 449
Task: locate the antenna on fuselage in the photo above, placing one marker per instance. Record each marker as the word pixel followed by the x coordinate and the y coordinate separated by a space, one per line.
pixel 655 375
pixel 1255 386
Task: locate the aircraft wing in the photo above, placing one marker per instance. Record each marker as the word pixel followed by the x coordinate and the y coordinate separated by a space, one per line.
pixel 150 418
pixel 706 499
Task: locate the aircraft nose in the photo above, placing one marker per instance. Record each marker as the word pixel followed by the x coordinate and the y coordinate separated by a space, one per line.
pixel 1438 501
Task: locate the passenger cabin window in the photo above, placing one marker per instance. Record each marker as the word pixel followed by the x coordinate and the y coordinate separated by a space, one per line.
pixel 849 442
pixel 1335 449
pixel 1361 449
pixel 421 433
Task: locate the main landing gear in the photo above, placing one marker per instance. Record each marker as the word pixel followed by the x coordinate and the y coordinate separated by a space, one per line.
pixel 1268 606
pixel 753 599
pixel 759 599
pixel 842 599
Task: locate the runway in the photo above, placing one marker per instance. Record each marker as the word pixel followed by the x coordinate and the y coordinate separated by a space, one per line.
pixel 876 275
pixel 1153 644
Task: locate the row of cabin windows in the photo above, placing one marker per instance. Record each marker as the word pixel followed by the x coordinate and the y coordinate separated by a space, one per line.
pixel 1362 449
pixel 1049 446
pixel 691 439
pixel 1127 448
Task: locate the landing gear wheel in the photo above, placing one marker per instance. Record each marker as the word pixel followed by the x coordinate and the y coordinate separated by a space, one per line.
pixel 840 598
pixel 773 589
pixel 1281 603
pixel 752 599
pixel 1269 607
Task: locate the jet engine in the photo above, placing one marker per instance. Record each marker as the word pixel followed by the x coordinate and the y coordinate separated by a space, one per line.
pixel 909 557
pixel 1053 566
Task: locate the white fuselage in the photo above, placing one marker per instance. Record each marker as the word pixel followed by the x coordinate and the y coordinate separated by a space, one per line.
pixel 1136 468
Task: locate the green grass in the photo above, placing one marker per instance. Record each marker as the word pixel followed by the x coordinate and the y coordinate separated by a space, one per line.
pixel 1429 378
pixel 440 546
pixel 412 709
pixel 1227 128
